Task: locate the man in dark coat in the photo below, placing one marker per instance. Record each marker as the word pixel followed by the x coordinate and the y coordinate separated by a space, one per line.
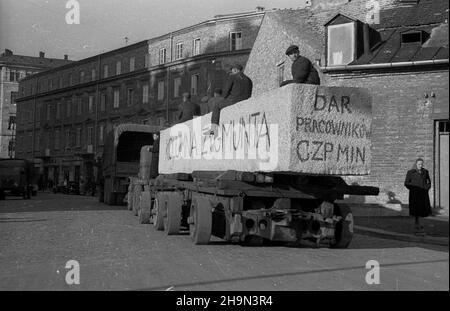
pixel 302 69
pixel 187 109
pixel 419 183
pixel 237 88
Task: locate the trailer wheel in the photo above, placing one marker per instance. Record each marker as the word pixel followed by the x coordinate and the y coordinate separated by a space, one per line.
pixel 200 221
pixel 172 220
pixel 130 197
pixel 144 208
pixel 344 228
pixel 135 198
pixel 158 211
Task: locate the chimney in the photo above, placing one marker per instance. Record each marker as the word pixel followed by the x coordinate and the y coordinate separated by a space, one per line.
pixel 260 9
pixel 66 57
pixel 7 52
pixel 41 54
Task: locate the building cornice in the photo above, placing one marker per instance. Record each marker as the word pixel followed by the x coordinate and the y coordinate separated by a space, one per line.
pixel 156 69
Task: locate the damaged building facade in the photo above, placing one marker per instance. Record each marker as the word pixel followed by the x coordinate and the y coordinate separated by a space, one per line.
pixel 398 50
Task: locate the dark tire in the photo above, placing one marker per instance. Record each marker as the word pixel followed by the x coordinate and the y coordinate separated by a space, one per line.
pixel 2 195
pixel 158 211
pixel 200 221
pixel 136 197
pixel 344 228
pixel 172 221
pixel 144 208
pixel 130 198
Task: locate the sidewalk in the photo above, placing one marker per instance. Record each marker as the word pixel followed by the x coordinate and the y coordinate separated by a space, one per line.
pixel 401 228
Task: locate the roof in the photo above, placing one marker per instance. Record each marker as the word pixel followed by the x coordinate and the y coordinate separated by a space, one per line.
pixel 31 61
pixel 428 17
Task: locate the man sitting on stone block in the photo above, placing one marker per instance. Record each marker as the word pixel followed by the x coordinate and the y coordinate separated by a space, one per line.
pixel 187 109
pixel 237 88
pixel 302 69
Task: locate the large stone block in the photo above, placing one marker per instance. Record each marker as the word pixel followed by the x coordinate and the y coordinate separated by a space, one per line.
pixel 297 128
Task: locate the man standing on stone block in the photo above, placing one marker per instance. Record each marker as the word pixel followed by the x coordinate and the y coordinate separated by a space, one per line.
pixel 187 109
pixel 237 88
pixel 302 69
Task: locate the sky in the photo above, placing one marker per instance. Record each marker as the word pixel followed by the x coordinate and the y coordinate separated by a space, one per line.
pixel 30 26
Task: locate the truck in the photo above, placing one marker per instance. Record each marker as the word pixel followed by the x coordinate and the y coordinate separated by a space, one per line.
pixel 242 201
pixel 16 178
pixel 121 159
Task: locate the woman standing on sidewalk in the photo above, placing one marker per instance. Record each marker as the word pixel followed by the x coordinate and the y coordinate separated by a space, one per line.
pixel 419 183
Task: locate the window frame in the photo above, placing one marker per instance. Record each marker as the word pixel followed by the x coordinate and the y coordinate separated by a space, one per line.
pixel 179 51
pixel 352 43
pixel 236 45
pixel 196 52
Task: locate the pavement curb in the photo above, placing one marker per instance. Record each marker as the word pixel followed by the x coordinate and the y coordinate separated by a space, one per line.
pixel 444 241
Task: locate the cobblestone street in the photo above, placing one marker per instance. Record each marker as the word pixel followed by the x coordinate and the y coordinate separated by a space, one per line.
pixel 40 235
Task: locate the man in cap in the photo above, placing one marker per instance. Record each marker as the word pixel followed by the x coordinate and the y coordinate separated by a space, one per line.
pixel 302 69
pixel 187 109
pixel 237 88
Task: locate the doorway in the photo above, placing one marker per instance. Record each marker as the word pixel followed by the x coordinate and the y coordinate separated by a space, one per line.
pixel 441 167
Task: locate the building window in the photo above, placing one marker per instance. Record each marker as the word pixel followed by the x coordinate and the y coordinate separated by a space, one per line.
pixel 81 76
pixel 91 104
pixel 118 67
pixel 235 41
pixel 340 44
pixel 49 108
pixel 101 131
pixel 68 107
pixel 57 137
pixel 58 110
pixel 103 102
pixel 38 142
pixel 90 131
pixel 176 87
pixel 67 138
pixel 132 61
pixel 78 137
pixel 179 51
pixel 116 98
pixel 60 82
pixel 93 74
pixel 160 90
pixel 79 107
pixel 50 84
pixel 194 84
pixel 130 94
pixel 145 90
pixel 70 79
pixel 13 98
pixel 197 46
pixel 38 112
pixel 162 56
pixel 105 71
pixel 147 61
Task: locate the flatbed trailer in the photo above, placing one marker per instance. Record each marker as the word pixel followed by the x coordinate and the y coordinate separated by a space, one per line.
pixel 250 208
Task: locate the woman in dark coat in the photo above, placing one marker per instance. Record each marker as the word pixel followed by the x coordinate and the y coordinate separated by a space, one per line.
pixel 419 183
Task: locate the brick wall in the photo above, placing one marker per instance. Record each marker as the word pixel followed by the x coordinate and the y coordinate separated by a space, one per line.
pixel 403 126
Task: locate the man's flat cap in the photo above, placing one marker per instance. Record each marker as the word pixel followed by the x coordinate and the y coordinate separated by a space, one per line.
pixel 237 66
pixel 292 49
pixel 186 94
